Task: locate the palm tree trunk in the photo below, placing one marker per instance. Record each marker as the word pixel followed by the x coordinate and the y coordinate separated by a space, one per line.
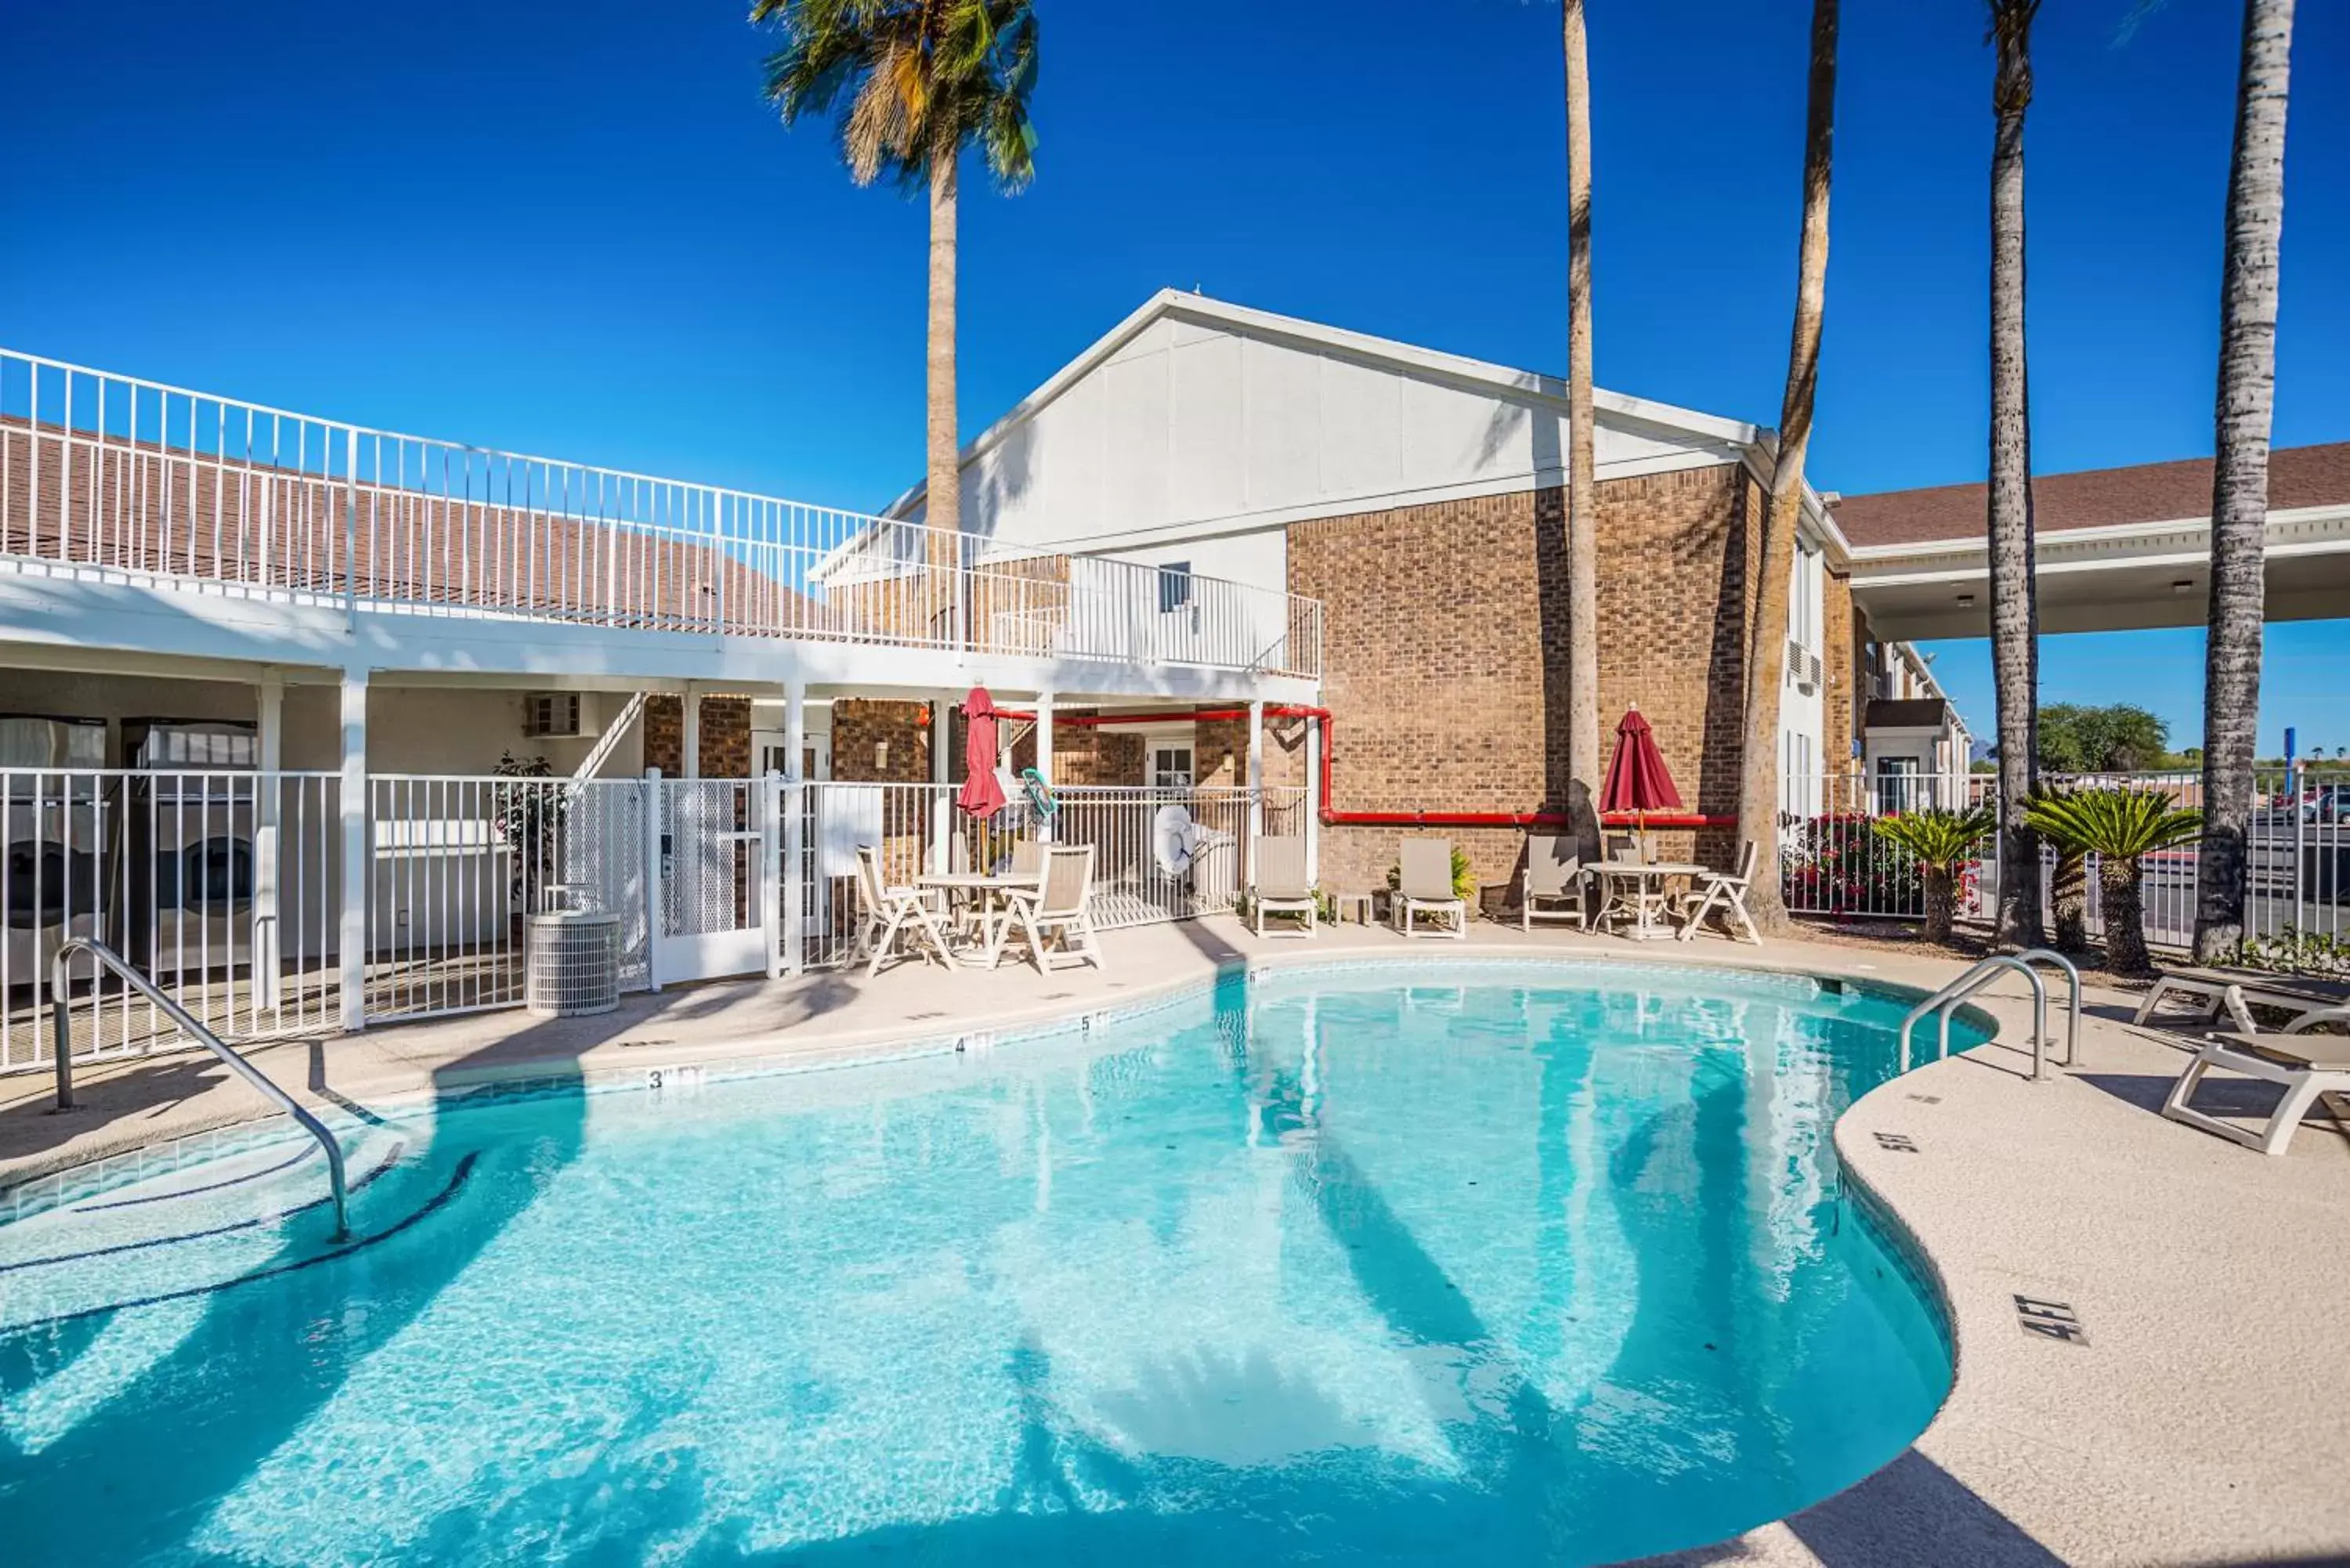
pixel 1775 554
pixel 942 500
pixel 1941 903
pixel 1581 477
pixel 2014 604
pixel 2123 898
pixel 2239 478
pixel 2069 892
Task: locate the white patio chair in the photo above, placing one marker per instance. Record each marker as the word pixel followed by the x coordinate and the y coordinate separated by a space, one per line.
pixel 1550 887
pixel 1424 887
pixel 1279 886
pixel 1729 892
pixel 889 911
pixel 1061 903
pixel 2308 1067
pixel 2235 993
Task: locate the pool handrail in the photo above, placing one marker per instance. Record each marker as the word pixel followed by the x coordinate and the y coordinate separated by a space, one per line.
pixel 60 988
pixel 1982 974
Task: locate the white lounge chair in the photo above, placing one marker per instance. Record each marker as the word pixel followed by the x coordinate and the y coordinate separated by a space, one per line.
pixel 1550 887
pixel 891 911
pixel 1424 887
pixel 1729 893
pixel 2234 993
pixel 1280 886
pixel 2306 1065
pixel 1061 903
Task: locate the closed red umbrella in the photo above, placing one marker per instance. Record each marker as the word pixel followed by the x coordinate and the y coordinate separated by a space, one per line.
pixel 1637 779
pixel 981 795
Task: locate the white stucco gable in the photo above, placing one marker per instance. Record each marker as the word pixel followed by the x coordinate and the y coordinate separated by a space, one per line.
pixel 1195 419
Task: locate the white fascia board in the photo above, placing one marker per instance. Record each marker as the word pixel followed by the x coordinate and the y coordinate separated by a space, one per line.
pixel 1818 524
pixel 78 621
pixel 1523 386
pixel 2302 529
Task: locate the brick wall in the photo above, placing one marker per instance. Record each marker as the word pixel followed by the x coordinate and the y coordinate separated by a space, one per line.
pixel 859 724
pixel 1845 628
pixel 1445 654
pixel 1220 752
pixel 725 736
pixel 1086 755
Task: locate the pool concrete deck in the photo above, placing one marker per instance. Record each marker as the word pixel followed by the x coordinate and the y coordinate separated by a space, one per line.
pixel 2202 1420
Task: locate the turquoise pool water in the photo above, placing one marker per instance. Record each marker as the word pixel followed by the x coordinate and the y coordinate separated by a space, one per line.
pixel 1424 1262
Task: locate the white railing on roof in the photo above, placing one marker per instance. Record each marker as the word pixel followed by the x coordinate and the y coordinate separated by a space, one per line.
pixel 126 477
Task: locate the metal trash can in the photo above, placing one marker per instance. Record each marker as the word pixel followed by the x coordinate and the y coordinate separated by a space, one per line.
pixel 574 967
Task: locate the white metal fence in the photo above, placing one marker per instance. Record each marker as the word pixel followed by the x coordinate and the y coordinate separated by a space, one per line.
pixel 120 477
pixel 2297 902
pixel 223 887
pixel 1159 854
pixel 226 888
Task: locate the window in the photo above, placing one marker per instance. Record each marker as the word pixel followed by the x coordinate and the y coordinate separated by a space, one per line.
pixel 1174 587
pixel 1170 764
pixel 1897 784
pixel 550 715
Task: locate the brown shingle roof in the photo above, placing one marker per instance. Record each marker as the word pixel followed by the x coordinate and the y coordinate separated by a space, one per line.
pixel 2098 497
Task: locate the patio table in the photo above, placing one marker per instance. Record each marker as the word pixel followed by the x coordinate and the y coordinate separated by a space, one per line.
pixel 1613 872
pixel 985 888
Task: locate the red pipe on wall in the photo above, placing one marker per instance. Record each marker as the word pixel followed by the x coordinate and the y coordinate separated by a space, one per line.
pixel 1331 814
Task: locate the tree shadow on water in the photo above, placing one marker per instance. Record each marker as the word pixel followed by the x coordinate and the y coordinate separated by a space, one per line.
pixel 142 1470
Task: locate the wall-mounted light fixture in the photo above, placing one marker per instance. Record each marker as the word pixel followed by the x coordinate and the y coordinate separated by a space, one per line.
pixel 880 757
pixel 1965 601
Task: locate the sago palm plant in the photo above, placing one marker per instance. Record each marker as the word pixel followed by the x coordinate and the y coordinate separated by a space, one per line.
pixel 1938 840
pixel 2120 827
pixel 2068 884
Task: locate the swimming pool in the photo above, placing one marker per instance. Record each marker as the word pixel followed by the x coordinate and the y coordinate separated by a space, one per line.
pixel 1442 1262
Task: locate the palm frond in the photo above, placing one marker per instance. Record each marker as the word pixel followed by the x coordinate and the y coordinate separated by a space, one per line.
pixel 2115 823
pixel 909 82
pixel 1939 837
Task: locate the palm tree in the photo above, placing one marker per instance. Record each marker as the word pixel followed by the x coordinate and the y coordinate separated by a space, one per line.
pixel 1767 648
pixel 1582 476
pixel 916 81
pixel 1938 840
pixel 2239 474
pixel 2068 884
pixel 2015 604
pixel 2120 826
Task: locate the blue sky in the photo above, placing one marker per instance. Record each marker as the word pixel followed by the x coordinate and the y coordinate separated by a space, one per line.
pixel 576 229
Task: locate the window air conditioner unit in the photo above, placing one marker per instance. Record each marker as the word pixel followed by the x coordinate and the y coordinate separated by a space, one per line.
pixel 550 715
pixel 1804 664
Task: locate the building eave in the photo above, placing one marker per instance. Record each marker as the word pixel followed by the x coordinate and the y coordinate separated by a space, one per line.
pixel 1528 387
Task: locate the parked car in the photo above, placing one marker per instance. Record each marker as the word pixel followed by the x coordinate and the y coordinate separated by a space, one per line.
pixel 2327 802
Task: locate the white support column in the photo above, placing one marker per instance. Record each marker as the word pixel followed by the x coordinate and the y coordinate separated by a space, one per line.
pixel 656 901
pixel 1312 803
pixel 269 703
pixel 689 745
pixel 1044 700
pixel 353 938
pixel 774 896
pixel 942 810
pixel 1256 779
pixel 795 805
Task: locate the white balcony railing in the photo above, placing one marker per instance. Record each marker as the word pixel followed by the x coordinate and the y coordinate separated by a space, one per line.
pixel 122 476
